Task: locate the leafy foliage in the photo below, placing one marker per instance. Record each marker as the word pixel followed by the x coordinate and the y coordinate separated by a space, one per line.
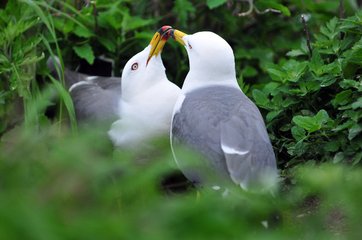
pixel 314 103
pixel 60 185
pixel 71 187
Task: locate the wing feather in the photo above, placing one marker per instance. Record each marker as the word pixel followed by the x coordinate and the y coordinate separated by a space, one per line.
pixel 246 145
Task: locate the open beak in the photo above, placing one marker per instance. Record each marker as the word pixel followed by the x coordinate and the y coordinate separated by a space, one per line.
pixel 158 41
pixel 178 35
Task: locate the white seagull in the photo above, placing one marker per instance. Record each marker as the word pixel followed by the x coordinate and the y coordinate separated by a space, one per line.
pixel 215 119
pixel 138 105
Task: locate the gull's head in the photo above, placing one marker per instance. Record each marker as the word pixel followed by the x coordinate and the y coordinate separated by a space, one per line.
pixel 208 52
pixel 146 67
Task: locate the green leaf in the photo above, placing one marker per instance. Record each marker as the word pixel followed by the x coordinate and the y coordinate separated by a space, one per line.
pixel 296 53
pixel 321 117
pixel 357 158
pixel 113 17
pixel 294 70
pixel 355 54
pixel 273 114
pixel 330 30
pixel 107 43
pixel 132 23
pixel 338 157
pixel 343 126
pixel 298 133
pixel 333 68
pixel 298 149
pixel 326 80
pixel 249 71
pixel 357 104
pixel 348 83
pixel 67 100
pixel 342 98
pixel 81 31
pixel 331 146
pixel 276 74
pixel 215 3
pixel 63 25
pixel 354 131
pixel 261 98
pixel 182 9
pixel 312 124
pixel 85 52
pixel 316 63
pixel 288 102
pixel 308 123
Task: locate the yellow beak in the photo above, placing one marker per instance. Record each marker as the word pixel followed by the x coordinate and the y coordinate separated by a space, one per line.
pixel 178 35
pixel 158 41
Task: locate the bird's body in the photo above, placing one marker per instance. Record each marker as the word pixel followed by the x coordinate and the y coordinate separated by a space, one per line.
pixel 208 121
pixel 214 118
pixel 84 92
pixel 139 104
pixel 95 98
pixel 148 98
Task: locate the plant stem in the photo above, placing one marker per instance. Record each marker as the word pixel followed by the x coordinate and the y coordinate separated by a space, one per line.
pixel 307 35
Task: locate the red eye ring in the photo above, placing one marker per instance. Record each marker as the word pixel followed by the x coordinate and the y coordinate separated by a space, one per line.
pixel 134 66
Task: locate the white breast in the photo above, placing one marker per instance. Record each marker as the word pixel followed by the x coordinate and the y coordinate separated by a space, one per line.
pixel 145 116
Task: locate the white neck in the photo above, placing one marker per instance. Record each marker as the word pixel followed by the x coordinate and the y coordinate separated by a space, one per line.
pixel 196 79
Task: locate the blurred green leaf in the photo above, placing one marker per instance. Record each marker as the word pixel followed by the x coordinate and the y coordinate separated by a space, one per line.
pixel 316 63
pixel 312 124
pixel 261 98
pixel 182 9
pixel 249 71
pixel 342 98
pixel 82 31
pixel 294 70
pixel 215 3
pixel 298 133
pixel 357 104
pixel 338 157
pixel 85 51
pixel 354 131
pixel 295 53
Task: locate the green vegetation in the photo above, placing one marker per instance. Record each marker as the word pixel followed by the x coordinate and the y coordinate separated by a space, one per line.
pixel 314 99
pixel 59 182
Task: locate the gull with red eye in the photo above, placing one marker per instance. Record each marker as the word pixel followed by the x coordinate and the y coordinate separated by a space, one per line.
pixel 136 107
pixel 134 66
pixel 148 97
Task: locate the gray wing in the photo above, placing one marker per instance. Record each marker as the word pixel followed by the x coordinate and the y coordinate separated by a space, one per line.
pixel 95 98
pixel 247 149
pixel 197 126
pixel 95 104
pixel 227 129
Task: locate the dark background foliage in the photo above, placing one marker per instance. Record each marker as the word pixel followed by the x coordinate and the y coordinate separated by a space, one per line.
pixel 302 72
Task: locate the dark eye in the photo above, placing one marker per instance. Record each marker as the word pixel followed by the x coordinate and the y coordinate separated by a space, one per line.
pixel 190 46
pixel 134 66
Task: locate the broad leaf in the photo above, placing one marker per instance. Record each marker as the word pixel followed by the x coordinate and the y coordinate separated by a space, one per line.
pixel 298 133
pixel 260 98
pixel 338 157
pixel 312 124
pixel 85 51
pixel 342 98
pixel 354 131
pixel 357 104
pixel 308 123
pixel 81 31
pixel 215 3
